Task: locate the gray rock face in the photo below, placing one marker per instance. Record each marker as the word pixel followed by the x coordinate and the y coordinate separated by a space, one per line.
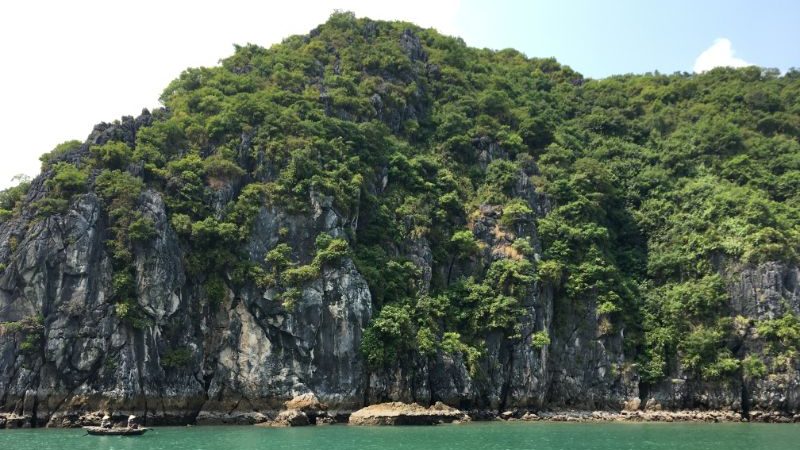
pixel 768 291
pixel 74 356
pixel 763 292
pixel 67 355
pixel 576 370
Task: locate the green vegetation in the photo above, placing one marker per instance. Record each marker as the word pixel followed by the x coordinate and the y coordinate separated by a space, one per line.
pixel 112 155
pixel 782 335
pixel 58 152
pixel 11 198
pixel 66 181
pixel 540 339
pixel 754 368
pixel 654 184
pixel 29 331
pixel 177 358
pixel 288 277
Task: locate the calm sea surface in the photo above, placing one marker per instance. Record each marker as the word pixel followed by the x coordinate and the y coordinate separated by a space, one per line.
pixel 484 436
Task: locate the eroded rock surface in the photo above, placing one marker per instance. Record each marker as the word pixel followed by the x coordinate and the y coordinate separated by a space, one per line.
pixel 397 413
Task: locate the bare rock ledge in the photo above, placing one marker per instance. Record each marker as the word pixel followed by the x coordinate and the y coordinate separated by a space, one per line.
pixel 398 413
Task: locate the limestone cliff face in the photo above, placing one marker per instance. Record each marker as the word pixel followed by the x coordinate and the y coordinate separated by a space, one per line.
pixel 575 370
pixel 757 293
pixel 248 356
pixel 251 354
pixel 74 355
pixel 69 355
pixel 766 292
pixel 66 354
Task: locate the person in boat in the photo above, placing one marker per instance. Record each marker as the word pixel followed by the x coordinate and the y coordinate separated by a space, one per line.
pixel 105 422
pixel 132 422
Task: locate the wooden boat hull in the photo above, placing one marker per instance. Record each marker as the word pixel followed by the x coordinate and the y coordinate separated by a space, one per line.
pixel 100 431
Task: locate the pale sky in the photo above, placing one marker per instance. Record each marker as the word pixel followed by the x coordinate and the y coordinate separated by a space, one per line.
pixel 67 65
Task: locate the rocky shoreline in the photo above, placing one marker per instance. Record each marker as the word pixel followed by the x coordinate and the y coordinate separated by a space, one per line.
pixel 307 410
pixel 649 416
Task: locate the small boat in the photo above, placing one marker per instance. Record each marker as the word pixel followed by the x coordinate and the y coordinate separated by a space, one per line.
pixel 119 431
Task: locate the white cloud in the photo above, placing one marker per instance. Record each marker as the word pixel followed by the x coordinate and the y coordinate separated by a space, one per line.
pixel 720 54
pixel 69 65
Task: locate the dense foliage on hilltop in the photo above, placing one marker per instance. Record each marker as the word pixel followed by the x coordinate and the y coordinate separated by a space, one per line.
pixel 654 184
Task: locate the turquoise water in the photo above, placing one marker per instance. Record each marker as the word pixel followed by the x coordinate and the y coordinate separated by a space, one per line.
pixel 484 436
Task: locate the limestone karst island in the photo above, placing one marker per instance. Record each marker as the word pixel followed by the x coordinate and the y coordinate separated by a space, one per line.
pixel 375 223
